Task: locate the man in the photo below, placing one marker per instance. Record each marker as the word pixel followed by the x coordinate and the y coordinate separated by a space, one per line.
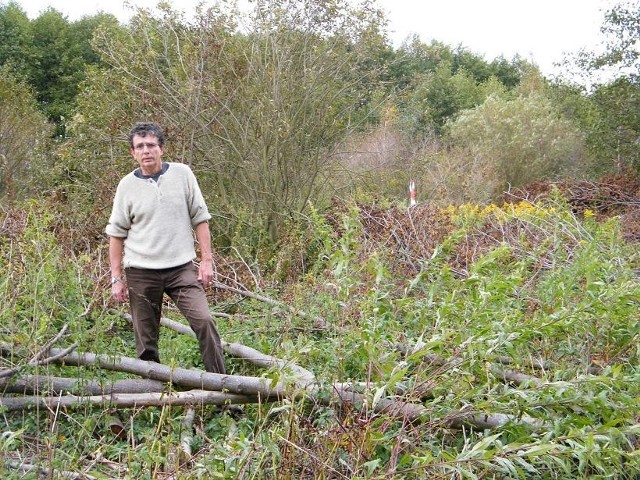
pixel 156 209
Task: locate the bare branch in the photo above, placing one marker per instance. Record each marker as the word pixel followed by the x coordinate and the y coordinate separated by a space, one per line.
pixel 38 384
pixel 305 377
pixel 127 400
pixel 188 378
pixel 36 359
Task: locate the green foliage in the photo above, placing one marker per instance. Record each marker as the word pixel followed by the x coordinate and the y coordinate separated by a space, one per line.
pixel 436 82
pixel 259 114
pixel 15 38
pixel 621 28
pixel 612 126
pixel 556 289
pixel 24 132
pixel 41 290
pixel 51 53
pixel 256 115
pixel 614 137
pixel 61 50
pixel 521 140
pixel 414 59
pixel 439 97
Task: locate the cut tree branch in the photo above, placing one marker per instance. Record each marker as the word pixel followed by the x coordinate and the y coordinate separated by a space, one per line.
pixel 211 388
pixel 191 378
pixel 36 359
pixel 304 376
pixel 38 384
pixel 127 400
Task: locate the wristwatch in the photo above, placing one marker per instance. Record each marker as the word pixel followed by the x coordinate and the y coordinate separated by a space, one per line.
pixel 115 280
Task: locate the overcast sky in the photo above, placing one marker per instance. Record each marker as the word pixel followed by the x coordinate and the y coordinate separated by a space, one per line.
pixel 541 31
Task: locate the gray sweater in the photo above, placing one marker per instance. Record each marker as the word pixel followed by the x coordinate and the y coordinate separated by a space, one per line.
pixel 156 219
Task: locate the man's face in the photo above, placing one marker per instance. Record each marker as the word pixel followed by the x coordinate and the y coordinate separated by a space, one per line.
pixel 148 153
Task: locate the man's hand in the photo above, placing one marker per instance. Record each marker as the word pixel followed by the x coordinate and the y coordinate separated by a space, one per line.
pixel 119 291
pixel 205 271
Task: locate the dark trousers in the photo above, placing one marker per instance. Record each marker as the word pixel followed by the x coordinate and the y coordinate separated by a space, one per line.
pixel 146 289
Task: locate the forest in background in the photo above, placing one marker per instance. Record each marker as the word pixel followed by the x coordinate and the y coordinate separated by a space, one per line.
pixel 306 102
pixel 490 331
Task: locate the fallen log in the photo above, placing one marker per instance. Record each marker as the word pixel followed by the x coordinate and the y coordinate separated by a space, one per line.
pixel 237 350
pixel 190 378
pixel 43 472
pixel 186 436
pixel 517 378
pixel 341 394
pixel 505 375
pixel 304 378
pixel 116 427
pixel 214 383
pixel 344 394
pixel 251 386
pixel 41 384
pixel 413 412
pixel 126 400
pixel 484 421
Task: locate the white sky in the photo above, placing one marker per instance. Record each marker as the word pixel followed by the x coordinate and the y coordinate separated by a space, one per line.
pixel 541 31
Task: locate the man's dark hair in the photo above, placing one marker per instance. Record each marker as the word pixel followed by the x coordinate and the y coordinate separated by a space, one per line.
pixel 147 128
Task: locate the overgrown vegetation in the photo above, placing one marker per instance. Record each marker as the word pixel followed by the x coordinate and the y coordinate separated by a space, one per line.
pixel 432 306
pixel 502 310
pixel 300 103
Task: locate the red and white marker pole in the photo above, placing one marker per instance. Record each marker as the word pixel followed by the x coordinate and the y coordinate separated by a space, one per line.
pixel 412 193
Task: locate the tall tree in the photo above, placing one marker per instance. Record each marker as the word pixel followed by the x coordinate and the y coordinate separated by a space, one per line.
pixel 61 50
pixel 302 92
pixel 16 39
pixel 613 126
pixel 256 114
pixel 48 71
pixel 438 97
pixel 614 137
pixel 435 82
pixel 621 29
pixel 51 53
